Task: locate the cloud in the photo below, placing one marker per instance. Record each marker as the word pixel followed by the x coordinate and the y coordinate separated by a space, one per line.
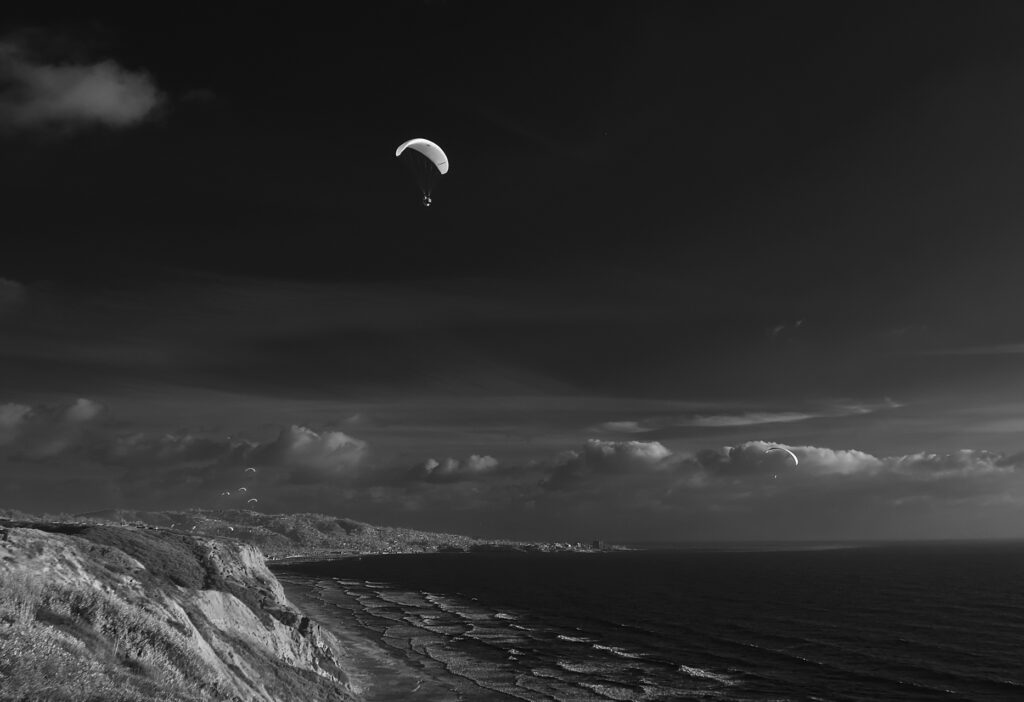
pixel 313 456
pixel 13 417
pixel 746 419
pixel 710 421
pixel 606 482
pixel 11 293
pixel 297 454
pixel 452 470
pixel 1011 425
pixel 38 94
pixel 750 459
pixel 990 350
pixel 602 459
pixel 778 329
pixel 624 427
pixel 168 450
pixel 737 419
pixel 82 410
pixel 965 463
pixel 44 431
pixel 648 473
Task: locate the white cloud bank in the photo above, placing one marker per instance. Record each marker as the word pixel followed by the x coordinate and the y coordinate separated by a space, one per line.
pixel 330 470
pixel 312 456
pixel 37 94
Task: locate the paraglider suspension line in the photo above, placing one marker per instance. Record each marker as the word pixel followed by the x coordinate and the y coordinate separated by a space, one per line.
pixel 424 171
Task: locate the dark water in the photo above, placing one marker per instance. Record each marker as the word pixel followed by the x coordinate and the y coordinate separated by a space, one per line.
pixel 894 622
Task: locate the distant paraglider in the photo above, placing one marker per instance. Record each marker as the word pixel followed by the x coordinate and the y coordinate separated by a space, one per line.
pixel 242 489
pixel 796 461
pixel 427 162
pixel 250 470
pixel 252 500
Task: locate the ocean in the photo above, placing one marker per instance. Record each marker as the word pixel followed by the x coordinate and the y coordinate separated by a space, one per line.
pixel 924 621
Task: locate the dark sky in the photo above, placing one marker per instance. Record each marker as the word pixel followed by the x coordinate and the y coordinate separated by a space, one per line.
pixel 672 235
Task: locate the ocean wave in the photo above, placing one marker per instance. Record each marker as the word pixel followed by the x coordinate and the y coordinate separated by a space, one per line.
pixel 575 639
pixel 474 615
pixel 409 600
pixel 611 692
pixel 581 667
pixel 486 675
pixel 493 635
pixel 702 674
pixel 617 651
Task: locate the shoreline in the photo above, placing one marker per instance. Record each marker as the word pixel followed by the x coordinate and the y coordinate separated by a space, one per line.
pixel 377 672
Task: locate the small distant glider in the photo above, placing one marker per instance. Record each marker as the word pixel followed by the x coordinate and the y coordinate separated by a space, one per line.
pixel 253 500
pixel 242 489
pixel 247 470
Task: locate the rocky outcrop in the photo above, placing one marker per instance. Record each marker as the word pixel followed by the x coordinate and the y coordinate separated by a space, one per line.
pixel 127 614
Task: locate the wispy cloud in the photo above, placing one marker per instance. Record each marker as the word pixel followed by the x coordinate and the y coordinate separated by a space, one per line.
pixel 61 94
pixel 738 419
pixel 784 329
pixel 989 350
pixel 709 420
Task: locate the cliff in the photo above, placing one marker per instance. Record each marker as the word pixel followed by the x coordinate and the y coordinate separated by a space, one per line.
pixel 111 613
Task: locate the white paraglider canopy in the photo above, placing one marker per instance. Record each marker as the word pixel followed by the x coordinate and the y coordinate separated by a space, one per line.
pixel 429 149
pixel 796 461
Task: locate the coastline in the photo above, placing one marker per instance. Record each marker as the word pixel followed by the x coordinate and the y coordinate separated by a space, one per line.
pixel 376 672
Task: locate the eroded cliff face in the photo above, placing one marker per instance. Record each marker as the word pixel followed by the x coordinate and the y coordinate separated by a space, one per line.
pixel 123 614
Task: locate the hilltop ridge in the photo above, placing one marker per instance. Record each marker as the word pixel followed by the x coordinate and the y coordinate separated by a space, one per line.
pixel 303 535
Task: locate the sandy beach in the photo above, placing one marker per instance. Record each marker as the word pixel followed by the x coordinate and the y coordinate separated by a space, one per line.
pixel 377 673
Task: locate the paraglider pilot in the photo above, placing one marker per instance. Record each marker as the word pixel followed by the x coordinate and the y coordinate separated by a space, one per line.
pixel 426 201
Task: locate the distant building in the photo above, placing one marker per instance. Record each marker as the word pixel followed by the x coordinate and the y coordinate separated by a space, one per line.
pixel 598 544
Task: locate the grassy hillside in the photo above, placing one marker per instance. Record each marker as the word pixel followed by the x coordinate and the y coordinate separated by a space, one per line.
pixel 113 614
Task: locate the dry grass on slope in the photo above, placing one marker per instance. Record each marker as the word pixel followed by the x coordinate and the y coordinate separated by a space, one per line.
pixel 61 642
pixel 103 614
